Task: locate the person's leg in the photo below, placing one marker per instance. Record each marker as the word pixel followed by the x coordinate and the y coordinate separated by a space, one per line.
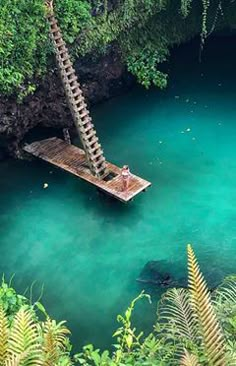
pixel 124 185
pixel 127 184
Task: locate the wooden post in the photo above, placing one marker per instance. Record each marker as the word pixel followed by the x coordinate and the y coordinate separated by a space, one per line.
pixel 66 135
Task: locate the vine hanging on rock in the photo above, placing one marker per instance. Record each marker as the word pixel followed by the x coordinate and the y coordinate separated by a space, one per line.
pixel 185 7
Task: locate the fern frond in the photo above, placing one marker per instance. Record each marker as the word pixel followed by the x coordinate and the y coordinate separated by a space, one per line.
pixel 65 361
pixel 231 358
pixel 24 339
pixel 209 327
pixel 189 360
pixel 4 330
pixel 175 309
pixel 14 360
pixel 54 341
pixel 226 292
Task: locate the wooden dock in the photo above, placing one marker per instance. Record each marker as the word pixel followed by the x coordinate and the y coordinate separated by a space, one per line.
pixel 72 159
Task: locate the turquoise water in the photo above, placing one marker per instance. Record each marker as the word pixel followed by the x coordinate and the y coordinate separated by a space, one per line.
pixel 88 250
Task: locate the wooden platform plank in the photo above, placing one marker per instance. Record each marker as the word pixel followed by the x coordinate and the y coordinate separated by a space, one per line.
pixel 72 159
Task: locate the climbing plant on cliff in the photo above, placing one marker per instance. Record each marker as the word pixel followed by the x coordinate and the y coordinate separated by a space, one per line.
pixel 144 31
pixel 24 42
pixel 22 36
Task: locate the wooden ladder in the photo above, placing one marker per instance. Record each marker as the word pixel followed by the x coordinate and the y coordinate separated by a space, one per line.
pixel 82 119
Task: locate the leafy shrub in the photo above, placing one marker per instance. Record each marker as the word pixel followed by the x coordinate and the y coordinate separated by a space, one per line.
pixel 194 327
pixel 10 301
pixel 24 41
pixel 143 29
pixel 23 44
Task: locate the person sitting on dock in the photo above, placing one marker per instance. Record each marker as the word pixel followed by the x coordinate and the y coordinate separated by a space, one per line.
pixel 125 174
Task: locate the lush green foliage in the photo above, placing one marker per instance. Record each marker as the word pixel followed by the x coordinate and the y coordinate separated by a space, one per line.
pixel 143 29
pixel 23 36
pixel 194 327
pixel 26 341
pixel 73 16
pixel 24 41
pixel 10 301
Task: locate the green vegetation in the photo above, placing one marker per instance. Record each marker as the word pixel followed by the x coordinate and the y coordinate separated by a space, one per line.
pixel 23 39
pixel 194 327
pixel 144 30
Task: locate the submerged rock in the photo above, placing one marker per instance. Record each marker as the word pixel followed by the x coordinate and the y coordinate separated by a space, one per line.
pixel 157 273
pixel 166 274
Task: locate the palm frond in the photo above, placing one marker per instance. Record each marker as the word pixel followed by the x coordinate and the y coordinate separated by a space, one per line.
pixel 24 340
pixel 175 310
pixel 4 330
pixel 209 327
pixel 54 341
pixel 189 360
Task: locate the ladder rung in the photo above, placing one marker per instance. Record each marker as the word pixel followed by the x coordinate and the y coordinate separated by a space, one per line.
pixel 57 34
pixel 81 106
pixel 68 66
pixel 73 88
pixel 101 169
pixel 69 73
pixel 55 31
pixel 94 157
pixel 61 64
pixel 91 143
pixel 53 21
pixel 92 133
pixel 50 17
pixel 60 44
pixel 86 129
pixel 87 120
pixel 65 60
pixel 100 161
pixel 73 78
pixel 56 38
pixel 68 70
pixel 67 63
pixel 61 52
pixel 85 113
pixel 75 109
pixel 98 146
pixel 77 94
pixel 73 84
pixel 54 28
